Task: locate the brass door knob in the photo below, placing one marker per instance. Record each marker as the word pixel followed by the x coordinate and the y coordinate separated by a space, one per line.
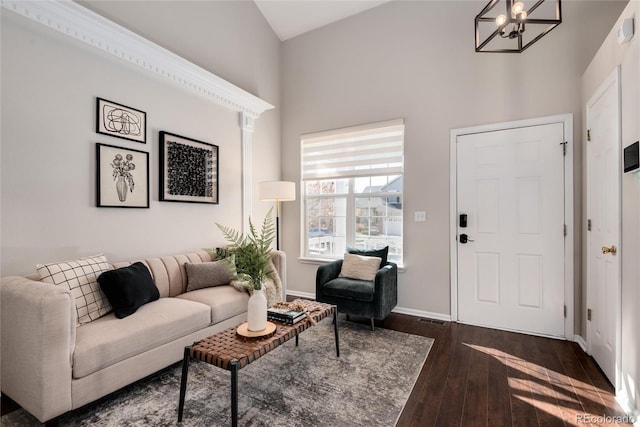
pixel 612 250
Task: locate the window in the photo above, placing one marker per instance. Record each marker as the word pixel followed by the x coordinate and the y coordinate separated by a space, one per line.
pixel 352 185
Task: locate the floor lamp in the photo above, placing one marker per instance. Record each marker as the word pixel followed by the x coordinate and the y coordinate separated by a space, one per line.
pixel 277 191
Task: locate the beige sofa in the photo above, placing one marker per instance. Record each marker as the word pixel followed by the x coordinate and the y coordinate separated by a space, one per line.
pixel 49 366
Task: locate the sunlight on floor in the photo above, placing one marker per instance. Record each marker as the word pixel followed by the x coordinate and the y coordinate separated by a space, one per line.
pixel 547 390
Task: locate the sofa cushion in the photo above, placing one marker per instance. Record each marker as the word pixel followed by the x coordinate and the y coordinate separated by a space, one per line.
pixel 359 267
pixel 224 301
pixel 128 288
pixel 342 287
pixel 212 273
pixel 380 253
pixel 110 340
pixel 80 277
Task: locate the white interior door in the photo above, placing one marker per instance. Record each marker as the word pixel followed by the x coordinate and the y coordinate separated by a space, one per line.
pixel 510 273
pixel 603 213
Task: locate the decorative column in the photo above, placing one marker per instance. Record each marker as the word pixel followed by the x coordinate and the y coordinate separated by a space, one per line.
pixel 247 124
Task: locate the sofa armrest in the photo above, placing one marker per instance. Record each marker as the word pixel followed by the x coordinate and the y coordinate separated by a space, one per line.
pixel 326 273
pixel 38 336
pixel 386 289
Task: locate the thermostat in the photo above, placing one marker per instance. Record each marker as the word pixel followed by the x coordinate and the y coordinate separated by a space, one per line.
pixel 625 32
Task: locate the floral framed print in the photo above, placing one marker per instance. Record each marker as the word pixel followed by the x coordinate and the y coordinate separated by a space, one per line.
pixel 122 177
pixel 121 121
pixel 188 170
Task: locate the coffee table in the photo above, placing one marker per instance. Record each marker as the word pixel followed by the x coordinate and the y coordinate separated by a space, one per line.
pixel 228 351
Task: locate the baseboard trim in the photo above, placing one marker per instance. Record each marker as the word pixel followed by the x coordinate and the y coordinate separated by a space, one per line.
pixel 298 294
pixel 400 310
pixel 422 313
pixel 581 342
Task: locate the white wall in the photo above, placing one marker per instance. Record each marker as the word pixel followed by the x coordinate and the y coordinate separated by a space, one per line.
pixel 416 60
pixel 627 56
pixel 49 86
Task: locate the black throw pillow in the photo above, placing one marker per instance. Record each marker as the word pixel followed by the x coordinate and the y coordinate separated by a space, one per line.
pixel 380 253
pixel 128 288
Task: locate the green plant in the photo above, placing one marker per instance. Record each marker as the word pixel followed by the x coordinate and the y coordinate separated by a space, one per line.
pixel 252 251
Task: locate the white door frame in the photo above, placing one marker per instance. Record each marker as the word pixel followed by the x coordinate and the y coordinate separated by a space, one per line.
pixel 569 253
pixel 612 79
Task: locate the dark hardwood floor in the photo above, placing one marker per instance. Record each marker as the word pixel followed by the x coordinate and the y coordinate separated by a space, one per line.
pixel 476 376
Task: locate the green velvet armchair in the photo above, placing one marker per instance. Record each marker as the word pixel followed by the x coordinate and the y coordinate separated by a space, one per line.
pixel 373 299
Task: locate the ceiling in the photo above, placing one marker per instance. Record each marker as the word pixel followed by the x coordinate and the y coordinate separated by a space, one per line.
pixel 290 18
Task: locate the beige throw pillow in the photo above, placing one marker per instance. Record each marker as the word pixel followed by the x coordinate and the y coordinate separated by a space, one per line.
pixel 81 278
pixel 209 274
pixel 360 267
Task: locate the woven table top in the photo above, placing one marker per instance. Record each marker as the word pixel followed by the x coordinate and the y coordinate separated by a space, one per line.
pixel 224 347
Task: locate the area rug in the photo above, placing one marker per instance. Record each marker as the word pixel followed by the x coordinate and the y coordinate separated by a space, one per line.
pixel 307 385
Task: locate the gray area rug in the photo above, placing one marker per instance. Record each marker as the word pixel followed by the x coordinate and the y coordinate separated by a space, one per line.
pixel 307 385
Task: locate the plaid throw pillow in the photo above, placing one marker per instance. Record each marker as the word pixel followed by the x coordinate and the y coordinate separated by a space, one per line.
pixel 80 277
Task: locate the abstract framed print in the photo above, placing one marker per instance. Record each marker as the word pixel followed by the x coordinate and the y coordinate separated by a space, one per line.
pixel 188 170
pixel 121 121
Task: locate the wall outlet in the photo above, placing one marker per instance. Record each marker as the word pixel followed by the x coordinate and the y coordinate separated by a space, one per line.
pixel 420 216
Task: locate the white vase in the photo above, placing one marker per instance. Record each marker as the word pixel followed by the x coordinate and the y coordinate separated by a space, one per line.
pixel 257 311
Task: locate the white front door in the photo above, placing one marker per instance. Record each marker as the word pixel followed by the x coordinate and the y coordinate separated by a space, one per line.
pixel 510 185
pixel 603 213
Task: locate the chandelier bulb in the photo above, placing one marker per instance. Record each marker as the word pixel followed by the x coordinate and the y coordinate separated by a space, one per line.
pixel 500 20
pixel 517 8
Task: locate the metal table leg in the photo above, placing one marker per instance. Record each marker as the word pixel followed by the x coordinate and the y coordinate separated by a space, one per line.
pixel 335 329
pixel 233 365
pixel 183 381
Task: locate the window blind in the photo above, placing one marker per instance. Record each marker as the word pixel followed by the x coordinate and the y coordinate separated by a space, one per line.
pixel 367 150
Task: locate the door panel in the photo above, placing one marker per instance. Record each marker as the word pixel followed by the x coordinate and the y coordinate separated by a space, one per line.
pixel 510 274
pixel 603 211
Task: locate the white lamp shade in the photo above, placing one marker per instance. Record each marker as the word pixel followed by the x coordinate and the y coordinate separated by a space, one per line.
pixel 282 191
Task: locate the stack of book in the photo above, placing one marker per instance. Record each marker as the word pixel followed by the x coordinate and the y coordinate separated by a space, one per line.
pixel 285 315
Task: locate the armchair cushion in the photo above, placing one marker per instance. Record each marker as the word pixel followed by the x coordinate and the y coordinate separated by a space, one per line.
pixel 380 253
pixel 360 290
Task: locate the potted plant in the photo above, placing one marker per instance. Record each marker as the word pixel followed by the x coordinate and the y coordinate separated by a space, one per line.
pixel 252 254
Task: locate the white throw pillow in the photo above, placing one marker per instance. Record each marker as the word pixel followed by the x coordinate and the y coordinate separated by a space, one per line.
pixel 360 267
pixel 81 278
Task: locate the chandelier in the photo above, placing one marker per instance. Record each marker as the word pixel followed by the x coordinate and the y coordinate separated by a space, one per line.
pixel 508 26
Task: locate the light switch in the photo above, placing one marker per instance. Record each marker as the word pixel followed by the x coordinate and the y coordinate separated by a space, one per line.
pixel 420 216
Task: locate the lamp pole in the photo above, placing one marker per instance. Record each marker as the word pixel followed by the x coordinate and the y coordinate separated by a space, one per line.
pixel 277 191
pixel 278 224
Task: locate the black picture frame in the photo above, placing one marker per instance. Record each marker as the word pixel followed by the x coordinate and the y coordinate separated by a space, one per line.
pixel 188 170
pixel 122 177
pixel 120 121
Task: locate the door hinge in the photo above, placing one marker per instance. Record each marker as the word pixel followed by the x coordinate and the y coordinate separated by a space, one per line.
pixel 565 230
pixel 589 314
pixel 564 148
pixel 565 311
pixel 588 225
pixel 588 134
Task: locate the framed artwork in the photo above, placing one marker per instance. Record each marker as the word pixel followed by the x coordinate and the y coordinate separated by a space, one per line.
pixel 122 178
pixel 188 170
pixel 121 121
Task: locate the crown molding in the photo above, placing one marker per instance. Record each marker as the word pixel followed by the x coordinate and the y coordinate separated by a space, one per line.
pixel 95 30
